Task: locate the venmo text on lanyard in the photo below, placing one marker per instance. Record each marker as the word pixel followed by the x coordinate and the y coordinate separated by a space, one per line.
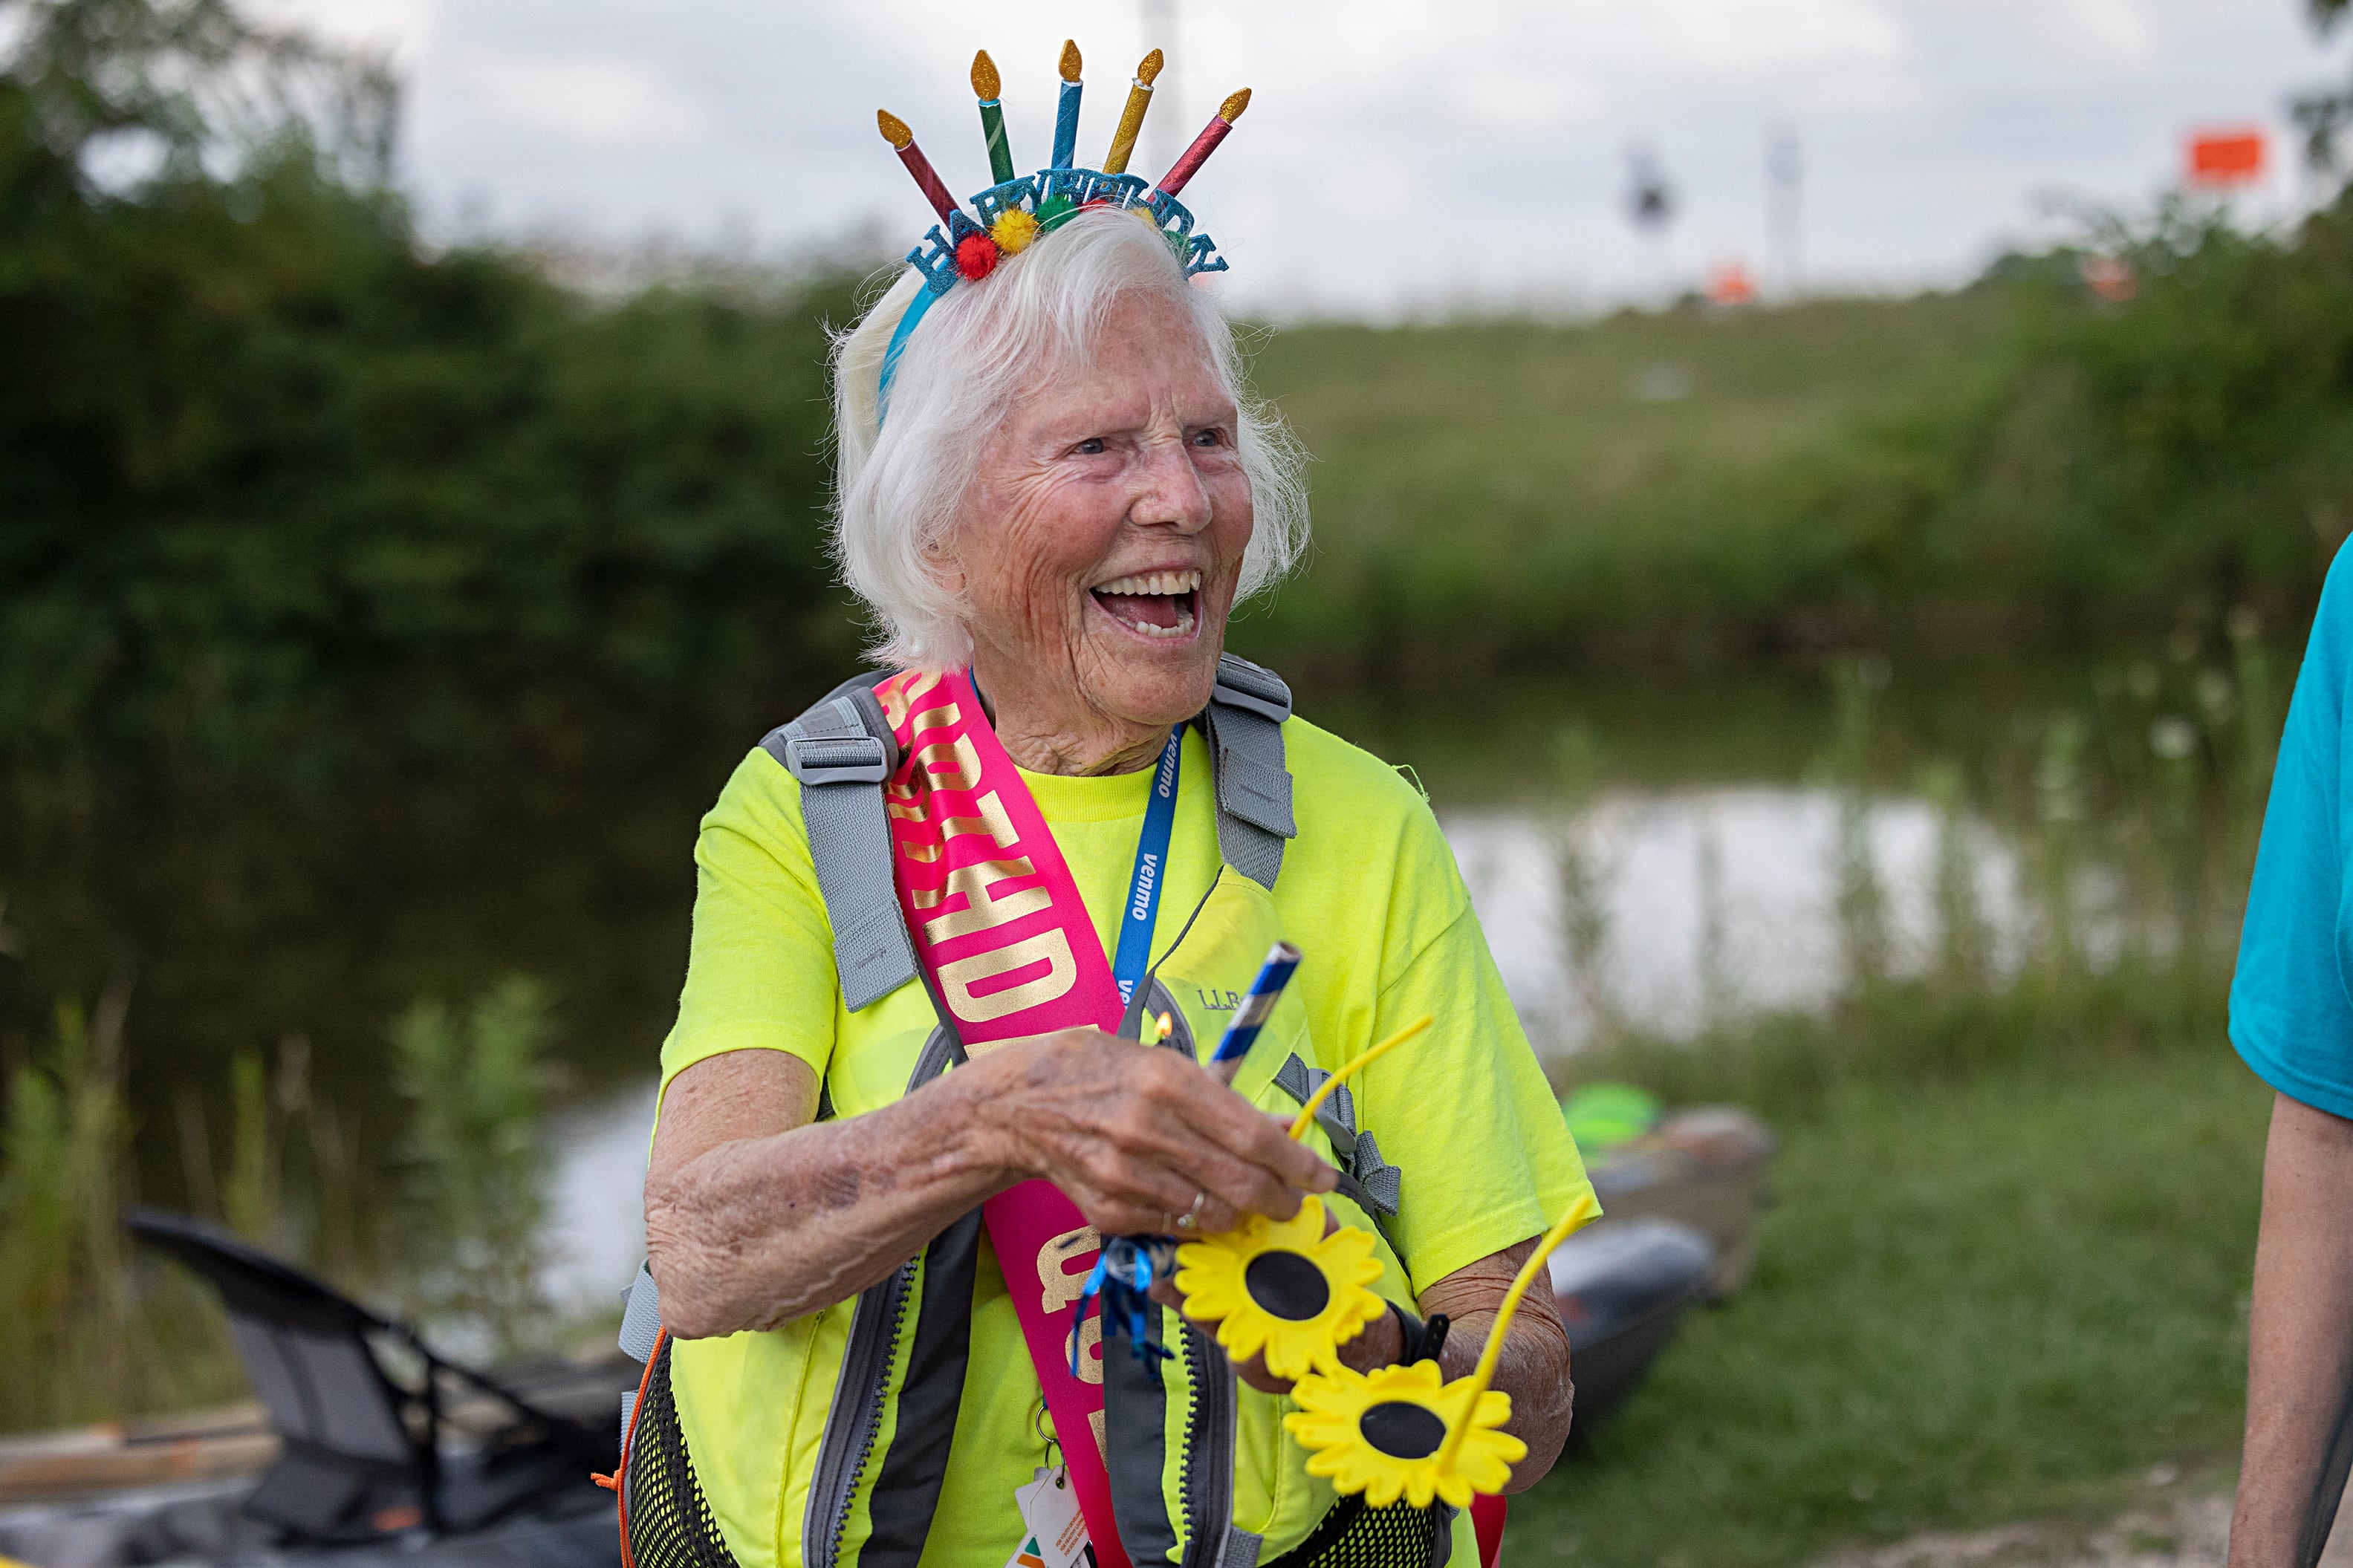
pixel 1143 906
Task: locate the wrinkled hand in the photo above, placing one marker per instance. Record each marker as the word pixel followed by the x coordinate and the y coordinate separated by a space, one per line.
pixel 1380 1343
pixel 1132 1135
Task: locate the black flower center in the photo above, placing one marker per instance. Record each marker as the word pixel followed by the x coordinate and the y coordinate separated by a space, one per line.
pixel 1402 1430
pixel 1287 1284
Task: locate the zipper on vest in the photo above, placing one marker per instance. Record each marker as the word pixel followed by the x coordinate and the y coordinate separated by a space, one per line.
pixel 1206 1479
pixel 849 1434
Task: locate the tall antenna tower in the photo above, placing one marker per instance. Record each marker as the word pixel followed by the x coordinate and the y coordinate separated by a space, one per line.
pixel 1651 208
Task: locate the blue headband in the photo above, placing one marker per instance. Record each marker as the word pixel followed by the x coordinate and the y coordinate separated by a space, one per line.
pixel 915 312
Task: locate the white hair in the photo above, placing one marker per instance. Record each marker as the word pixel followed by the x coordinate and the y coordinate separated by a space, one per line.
pixel 899 485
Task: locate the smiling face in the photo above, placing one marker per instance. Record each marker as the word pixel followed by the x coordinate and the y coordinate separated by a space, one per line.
pixel 1100 545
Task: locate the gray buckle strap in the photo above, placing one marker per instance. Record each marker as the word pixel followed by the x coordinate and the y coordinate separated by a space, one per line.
pixel 1248 788
pixel 1375 1183
pixel 1383 1183
pixel 1244 723
pixel 1336 1116
pixel 640 1317
pixel 1241 684
pixel 841 751
pixel 854 759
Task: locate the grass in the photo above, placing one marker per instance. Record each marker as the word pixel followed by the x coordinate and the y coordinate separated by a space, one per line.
pixel 2014 463
pixel 1994 1292
pixel 1446 452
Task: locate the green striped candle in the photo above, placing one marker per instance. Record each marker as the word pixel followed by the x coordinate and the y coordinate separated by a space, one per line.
pixel 987 84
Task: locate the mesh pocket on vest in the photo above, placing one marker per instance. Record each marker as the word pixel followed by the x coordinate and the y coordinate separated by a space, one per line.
pixel 669 1524
pixel 1355 1536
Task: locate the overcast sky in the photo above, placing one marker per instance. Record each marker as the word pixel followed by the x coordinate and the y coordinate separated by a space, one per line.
pixel 1398 155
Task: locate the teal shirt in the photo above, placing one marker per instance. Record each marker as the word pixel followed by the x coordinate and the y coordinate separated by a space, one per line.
pixel 2291 1008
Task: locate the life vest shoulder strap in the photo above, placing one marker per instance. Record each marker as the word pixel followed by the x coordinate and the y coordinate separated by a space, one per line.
pixel 1243 724
pixel 842 750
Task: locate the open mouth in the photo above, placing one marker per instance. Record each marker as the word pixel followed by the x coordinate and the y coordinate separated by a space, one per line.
pixel 1153 604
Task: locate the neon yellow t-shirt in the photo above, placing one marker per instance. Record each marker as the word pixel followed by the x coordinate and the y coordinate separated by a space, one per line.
pixel 1369 890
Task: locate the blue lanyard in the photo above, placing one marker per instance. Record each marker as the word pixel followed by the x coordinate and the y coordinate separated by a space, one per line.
pixel 1143 906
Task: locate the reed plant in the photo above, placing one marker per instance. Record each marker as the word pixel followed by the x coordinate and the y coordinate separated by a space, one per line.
pixel 85 1333
pixel 475 1162
pixel 93 1329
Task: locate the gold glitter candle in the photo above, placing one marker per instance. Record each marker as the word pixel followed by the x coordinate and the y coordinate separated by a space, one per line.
pixel 1131 119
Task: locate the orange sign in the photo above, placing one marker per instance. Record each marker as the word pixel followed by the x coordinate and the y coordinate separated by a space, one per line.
pixel 1731 285
pixel 2226 157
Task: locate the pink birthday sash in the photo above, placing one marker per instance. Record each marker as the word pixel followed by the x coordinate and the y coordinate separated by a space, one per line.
pixel 998 924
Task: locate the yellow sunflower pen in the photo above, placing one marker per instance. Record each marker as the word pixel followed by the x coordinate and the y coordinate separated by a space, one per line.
pixel 1404 1431
pixel 1282 1288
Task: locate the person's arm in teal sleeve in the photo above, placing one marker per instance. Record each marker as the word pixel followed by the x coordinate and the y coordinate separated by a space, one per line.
pixel 2292 1021
pixel 2300 1344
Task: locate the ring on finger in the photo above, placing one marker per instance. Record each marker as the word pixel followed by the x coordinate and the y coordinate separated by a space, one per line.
pixel 1191 1218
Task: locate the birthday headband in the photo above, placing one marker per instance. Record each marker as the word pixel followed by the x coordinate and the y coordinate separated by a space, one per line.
pixel 1016 210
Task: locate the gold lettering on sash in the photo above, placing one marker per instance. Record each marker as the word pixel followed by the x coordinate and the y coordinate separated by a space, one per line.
pixel 982 910
pixel 950 764
pixel 897 697
pixel 1049 947
pixel 1090 1340
pixel 1059 1287
pixel 938 718
pixel 1096 1420
pixel 920 853
pixel 993 820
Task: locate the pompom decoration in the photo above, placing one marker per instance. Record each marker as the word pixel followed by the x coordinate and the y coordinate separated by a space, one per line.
pixel 977 256
pixel 1013 231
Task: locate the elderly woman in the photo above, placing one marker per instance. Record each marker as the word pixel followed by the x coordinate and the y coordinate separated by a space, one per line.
pixel 869 1094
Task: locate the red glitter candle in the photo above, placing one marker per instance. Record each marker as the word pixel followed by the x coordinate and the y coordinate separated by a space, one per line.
pixel 1182 172
pixel 895 131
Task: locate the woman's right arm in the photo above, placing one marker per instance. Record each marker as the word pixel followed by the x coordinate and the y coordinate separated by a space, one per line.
pixel 755 1215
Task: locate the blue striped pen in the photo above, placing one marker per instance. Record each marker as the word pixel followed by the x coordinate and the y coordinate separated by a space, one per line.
pixel 1281 961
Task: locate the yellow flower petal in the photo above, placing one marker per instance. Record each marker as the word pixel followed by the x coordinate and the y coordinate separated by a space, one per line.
pixel 1283 1289
pixel 1397 1456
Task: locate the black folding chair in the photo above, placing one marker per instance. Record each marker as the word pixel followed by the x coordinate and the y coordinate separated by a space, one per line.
pixel 365 1451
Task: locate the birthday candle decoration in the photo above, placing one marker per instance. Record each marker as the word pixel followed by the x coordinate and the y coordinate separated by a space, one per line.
pixel 1282 962
pixel 1131 118
pixel 1186 167
pixel 895 131
pixel 1066 112
pixel 987 86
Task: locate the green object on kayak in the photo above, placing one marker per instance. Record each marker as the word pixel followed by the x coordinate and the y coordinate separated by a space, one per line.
pixel 1601 1116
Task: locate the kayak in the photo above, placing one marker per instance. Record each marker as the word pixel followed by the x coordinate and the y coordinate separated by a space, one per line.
pixel 1681 1195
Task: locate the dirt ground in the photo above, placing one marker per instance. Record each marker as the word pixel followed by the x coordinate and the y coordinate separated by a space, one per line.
pixel 2186 1533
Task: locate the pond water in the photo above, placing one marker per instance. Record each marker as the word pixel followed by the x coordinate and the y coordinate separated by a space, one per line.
pixel 1718 900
